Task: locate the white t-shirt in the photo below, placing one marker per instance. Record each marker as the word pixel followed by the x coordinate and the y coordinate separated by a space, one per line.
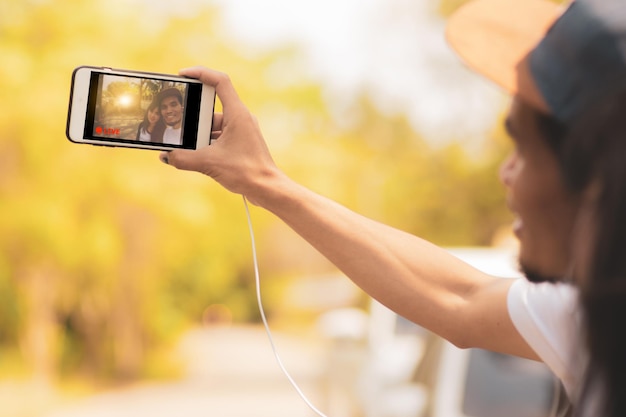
pixel 144 135
pixel 171 136
pixel 548 318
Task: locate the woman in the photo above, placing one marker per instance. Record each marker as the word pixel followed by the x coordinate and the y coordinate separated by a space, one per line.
pixel 152 126
pixel 565 183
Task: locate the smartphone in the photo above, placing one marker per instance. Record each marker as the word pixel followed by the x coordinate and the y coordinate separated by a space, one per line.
pixel 123 108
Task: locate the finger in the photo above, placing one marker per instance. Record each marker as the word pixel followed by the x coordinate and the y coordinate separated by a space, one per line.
pixel 164 157
pixel 220 81
pixel 218 119
pixel 184 159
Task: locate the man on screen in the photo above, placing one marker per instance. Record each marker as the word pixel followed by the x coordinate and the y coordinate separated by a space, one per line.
pixel 171 107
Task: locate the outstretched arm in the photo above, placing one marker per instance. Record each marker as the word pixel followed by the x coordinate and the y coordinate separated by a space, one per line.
pixel 416 279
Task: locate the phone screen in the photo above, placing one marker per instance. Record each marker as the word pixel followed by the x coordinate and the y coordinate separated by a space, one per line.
pixel 139 109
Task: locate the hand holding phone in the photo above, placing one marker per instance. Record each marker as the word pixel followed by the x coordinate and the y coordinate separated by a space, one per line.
pixel 239 158
pixel 139 109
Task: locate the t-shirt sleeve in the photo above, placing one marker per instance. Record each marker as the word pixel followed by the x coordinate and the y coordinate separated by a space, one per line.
pixel 547 317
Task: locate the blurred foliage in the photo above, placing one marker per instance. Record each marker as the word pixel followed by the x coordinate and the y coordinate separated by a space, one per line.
pixel 107 254
pixel 446 7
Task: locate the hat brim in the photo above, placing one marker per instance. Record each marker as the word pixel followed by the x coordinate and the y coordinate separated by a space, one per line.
pixel 494 38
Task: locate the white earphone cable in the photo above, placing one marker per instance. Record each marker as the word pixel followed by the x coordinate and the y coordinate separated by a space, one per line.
pixel 261 310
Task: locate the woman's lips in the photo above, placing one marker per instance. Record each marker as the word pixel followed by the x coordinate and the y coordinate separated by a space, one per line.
pixel 517 227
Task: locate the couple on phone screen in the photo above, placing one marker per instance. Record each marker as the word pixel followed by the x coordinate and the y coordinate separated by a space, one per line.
pixel 162 122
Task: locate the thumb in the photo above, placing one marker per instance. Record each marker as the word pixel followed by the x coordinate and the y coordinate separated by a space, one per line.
pixel 184 159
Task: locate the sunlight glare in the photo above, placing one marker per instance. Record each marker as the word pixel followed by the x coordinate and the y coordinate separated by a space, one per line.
pixel 125 100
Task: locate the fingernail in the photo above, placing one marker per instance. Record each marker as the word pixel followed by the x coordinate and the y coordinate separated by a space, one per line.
pixel 164 157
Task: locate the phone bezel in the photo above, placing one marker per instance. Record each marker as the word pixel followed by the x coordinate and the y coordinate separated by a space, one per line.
pixel 79 100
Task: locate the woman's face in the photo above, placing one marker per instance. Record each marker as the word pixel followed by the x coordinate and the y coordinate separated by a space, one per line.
pixel 153 116
pixel 546 213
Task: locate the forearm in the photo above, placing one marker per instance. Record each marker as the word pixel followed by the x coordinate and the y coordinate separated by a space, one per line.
pixel 411 276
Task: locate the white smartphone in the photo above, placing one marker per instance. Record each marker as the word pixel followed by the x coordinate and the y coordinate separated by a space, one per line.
pixel 132 109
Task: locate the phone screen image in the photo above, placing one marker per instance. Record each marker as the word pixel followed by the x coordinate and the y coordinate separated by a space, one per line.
pixel 137 109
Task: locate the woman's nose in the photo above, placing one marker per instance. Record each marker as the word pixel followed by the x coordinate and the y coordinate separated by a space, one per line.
pixel 507 168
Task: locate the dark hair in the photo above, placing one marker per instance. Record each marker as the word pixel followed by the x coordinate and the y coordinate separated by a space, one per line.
pixel 170 92
pixel 592 151
pixel 157 132
pixel 145 123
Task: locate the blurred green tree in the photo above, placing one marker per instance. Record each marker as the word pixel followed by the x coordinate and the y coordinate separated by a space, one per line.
pixel 446 7
pixel 106 255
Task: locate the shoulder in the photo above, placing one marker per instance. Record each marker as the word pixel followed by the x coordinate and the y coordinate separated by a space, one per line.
pixel 553 297
pixel 547 316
